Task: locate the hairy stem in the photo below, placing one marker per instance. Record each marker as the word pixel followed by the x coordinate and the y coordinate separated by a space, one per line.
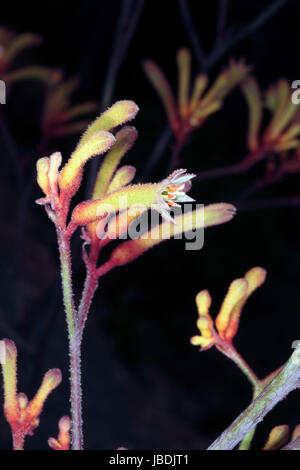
pixel 90 287
pixel 293 445
pixel 284 382
pixel 18 441
pixel 74 338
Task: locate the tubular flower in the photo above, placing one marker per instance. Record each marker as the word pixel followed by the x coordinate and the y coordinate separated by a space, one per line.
pixel 227 320
pixel 63 439
pixel 113 194
pixel 190 111
pixel 59 116
pixel 11 45
pixel 21 414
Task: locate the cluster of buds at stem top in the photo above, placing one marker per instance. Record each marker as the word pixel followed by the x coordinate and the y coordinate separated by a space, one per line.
pixel 192 107
pixel 281 137
pixel 60 186
pixel 21 414
pixel 64 438
pixel 11 45
pixel 113 192
pixel 227 320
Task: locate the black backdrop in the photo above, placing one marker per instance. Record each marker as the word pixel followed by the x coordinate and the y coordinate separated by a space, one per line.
pixel 145 386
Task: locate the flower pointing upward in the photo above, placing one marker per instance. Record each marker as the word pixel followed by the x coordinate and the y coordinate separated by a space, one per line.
pixel 173 191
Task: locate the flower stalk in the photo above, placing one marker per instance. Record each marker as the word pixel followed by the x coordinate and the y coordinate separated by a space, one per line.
pixel 113 195
pixel 74 338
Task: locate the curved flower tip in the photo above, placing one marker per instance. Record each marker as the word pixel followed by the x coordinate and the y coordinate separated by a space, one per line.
pixel 63 439
pixel 220 213
pixel 119 113
pixel 227 321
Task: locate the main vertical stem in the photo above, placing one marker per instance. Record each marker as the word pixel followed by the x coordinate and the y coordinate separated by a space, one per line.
pixel 74 339
pixel 18 441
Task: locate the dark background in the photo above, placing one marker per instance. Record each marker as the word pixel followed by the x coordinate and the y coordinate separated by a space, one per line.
pixel 145 386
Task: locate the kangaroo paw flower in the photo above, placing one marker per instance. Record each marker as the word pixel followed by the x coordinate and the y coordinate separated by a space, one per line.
pixel 21 414
pixel 63 439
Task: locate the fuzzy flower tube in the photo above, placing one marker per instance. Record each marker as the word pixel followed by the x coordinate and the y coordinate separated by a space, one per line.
pixel 21 414
pixel 113 195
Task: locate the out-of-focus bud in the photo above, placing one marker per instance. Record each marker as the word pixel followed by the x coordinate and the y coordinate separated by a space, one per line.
pixel 42 166
pixel 63 440
pixel 277 437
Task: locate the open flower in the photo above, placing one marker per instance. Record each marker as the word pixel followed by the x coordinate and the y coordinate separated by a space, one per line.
pixel 190 110
pixel 173 191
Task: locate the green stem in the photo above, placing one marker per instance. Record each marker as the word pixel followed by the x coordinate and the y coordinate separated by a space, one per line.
pixel 232 353
pixel 284 382
pixel 74 338
pixel 246 442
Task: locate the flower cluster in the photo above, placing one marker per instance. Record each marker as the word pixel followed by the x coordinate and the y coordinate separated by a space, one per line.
pixel 21 414
pixel 280 139
pixel 11 45
pixel 59 116
pixel 114 205
pixel 190 111
pixel 113 192
pixel 227 320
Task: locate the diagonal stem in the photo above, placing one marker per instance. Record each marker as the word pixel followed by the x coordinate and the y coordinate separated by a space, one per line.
pixel 287 380
pixel 256 23
pixel 192 32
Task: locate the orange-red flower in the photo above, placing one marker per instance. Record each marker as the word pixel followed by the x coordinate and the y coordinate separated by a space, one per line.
pixel 21 414
pixel 192 107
